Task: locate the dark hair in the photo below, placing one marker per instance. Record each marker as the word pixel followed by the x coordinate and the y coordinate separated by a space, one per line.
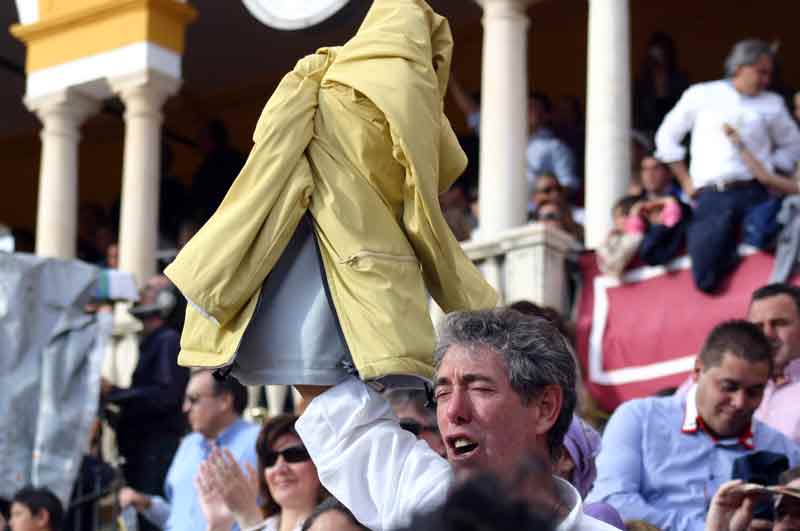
pixel 625 204
pixel 664 41
pixel 237 391
pixel 741 338
pixel 331 504
pixel 542 99
pixel 5 508
pixel 778 288
pixel 483 504
pixel 272 430
pixel 38 499
pixel 535 353
pixel 545 312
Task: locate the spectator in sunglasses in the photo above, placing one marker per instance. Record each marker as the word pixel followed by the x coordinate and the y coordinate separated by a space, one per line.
pixel 410 406
pixel 286 483
pixel 557 214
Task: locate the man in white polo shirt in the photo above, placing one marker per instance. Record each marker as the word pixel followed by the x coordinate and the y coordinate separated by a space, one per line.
pixel 724 189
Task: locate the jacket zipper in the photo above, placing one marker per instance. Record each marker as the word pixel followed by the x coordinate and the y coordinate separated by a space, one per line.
pixel 384 256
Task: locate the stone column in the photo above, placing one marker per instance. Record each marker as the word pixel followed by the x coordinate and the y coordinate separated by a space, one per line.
pixel 503 189
pixel 608 117
pixel 61 114
pixel 143 95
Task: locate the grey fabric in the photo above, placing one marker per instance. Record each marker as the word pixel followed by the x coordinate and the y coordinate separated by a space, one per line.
pixel 788 251
pixel 50 358
pixel 294 336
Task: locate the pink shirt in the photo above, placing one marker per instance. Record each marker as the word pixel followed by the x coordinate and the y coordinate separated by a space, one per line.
pixel 780 407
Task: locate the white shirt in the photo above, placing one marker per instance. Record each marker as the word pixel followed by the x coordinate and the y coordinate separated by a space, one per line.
pixel 763 122
pixel 381 472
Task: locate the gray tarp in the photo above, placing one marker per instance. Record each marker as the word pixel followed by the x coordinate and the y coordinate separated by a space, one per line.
pixel 50 358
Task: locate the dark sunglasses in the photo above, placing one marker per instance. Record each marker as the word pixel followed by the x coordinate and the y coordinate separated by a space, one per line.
pixel 550 216
pixel 416 428
pixel 293 454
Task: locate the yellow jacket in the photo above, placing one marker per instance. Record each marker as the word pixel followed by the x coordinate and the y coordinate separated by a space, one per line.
pixel 357 136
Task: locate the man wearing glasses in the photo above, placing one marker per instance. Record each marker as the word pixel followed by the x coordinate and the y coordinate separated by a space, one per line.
pixel 415 415
pixel 214 410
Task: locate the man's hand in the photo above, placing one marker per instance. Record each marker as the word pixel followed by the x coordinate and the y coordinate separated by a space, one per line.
pixel 732 507
pixel 139 501
pixel 105 387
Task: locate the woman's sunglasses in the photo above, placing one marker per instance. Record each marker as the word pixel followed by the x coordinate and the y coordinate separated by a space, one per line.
pixel 293 454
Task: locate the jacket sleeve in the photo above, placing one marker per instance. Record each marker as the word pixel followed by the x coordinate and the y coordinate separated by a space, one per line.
pixel 382 473
pixel 226 262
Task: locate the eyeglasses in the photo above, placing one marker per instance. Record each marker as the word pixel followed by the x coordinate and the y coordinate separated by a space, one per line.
pixel 548 216
pixel 293 454
pixel 416 428
pixel 548 189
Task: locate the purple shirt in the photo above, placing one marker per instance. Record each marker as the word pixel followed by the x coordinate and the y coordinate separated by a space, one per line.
pixel 779 407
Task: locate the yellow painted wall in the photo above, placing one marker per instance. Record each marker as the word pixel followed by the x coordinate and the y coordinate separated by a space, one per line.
pixel 93 26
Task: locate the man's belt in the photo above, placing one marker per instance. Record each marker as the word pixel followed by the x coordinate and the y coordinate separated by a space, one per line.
pixel 724 186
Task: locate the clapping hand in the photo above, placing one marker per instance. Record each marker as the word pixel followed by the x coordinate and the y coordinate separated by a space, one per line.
pixel 215 511
pixel 237 489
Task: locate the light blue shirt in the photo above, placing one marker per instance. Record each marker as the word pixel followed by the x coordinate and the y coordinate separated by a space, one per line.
pixel 657 465
pixel 547 154
pixel 181 509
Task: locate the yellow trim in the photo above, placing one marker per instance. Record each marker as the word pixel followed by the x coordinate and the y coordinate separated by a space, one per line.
pixel 67 36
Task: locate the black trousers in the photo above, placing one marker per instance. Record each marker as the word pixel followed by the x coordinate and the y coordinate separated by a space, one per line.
pixel 713 231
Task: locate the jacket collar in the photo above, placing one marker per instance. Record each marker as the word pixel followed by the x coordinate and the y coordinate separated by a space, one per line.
pixel 693 423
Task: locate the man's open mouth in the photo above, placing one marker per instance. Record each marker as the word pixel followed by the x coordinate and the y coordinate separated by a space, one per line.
pixel 463 446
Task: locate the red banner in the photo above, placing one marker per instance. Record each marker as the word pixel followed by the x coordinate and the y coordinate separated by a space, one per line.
pixel 639 334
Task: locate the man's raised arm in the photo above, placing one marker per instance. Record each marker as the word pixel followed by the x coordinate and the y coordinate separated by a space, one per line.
pixel 381 472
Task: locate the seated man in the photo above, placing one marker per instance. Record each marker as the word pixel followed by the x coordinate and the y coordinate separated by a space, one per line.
pixel 663 458
pixel 505 391
pixel 36 509
pixel 214 410
pixel 775 308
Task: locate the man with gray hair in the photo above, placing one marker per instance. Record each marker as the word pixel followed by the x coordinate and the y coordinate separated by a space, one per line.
pixel 505 394
pixel 725 191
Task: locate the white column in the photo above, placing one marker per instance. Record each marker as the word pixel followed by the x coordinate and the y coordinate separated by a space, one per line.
pixel 608 117
pixel 503 189
pixel 143 95
pixel 61 114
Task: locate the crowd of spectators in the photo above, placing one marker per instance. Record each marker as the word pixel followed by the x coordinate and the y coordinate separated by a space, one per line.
pixel 743 155
pixel 503 441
